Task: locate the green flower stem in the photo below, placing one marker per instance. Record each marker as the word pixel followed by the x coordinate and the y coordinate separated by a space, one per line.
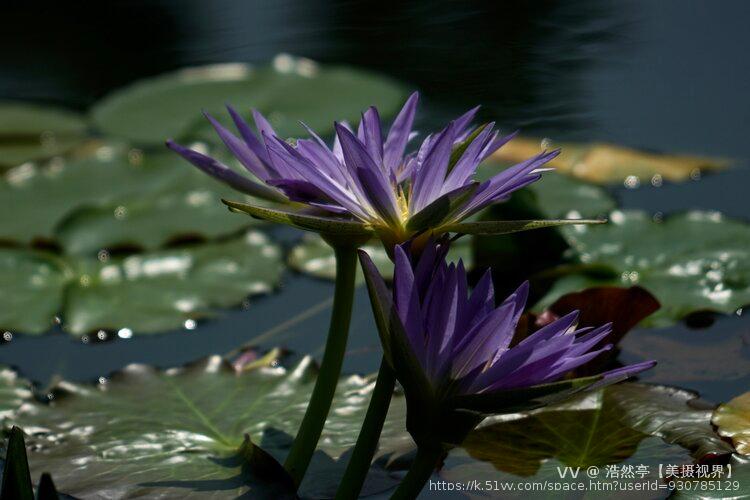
pixel 367 442
pixel 420 471
pixel 325 386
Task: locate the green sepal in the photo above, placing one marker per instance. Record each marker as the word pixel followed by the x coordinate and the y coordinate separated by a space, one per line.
pixel 314 223
pixel 511 226
pixel 439 210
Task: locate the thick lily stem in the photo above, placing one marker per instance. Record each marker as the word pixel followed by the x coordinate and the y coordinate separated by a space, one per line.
pixel 420 471
pixel 367 442
pixel 325 386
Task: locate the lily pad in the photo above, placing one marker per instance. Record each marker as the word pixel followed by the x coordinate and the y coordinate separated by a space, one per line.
pixel 152 110
pixel 32 132
pixel 14 391
pixel 690 262
pixel 177 433
pixel 676 415
pixel 147 293
pixel 733 422
pixel 609 163
pixel 114 198
pixel 591 431
pixel 315 257
pixel 42 195
pixel 189 209
pixel 32 285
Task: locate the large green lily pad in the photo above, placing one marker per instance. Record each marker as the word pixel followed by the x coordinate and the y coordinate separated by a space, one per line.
pixel 115 197
pixel 152 110
pixel 32 132
pixel 733 422
pixel 315 257
pixel 177 433
pixel 42 195
pixel 591 431
pixel 691 262
pixel 148 292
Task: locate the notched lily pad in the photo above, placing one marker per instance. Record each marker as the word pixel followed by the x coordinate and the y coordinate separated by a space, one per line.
pixel 113 197
pixel 147 292
pixel 33 132
pixel 180 432
pixel 733 422
pixel 609 163
pixel 315 257
pixel 690 262
pixel 291 89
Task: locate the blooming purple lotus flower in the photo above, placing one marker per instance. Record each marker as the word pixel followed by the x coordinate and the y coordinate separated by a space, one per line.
pixel 368 177
pixel 452 350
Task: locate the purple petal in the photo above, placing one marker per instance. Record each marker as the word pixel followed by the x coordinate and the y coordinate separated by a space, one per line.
pixel 373 138
pixel 430 175
pixel 399 134
pixel 250 139
pixel 225 174
pixel 240 150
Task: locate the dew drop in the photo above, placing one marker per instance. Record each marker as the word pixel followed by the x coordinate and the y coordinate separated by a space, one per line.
pixel 7 336
pixel 657 180
pixel 658 217
pixel 121 212
pixel 632 182
pixel 101 335
pixel 85 339
pixel 190 324
pixel 102 380
pixel 546 143
pixel 695 174
pixel 738 312
pixel 103 256
pixel 135 156
pixel 57 320
pixel 84 280
pixel 125 333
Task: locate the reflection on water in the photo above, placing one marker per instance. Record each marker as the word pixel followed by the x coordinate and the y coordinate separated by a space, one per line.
pixel 521 60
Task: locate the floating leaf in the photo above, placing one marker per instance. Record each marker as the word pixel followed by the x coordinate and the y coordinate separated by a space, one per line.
pixel 676 415
pixel 177 433
pixel 32 285
pixel 608 163
pixel 191 208
pixel 733 422
pixel 315 257
pixel 146 292
pixel 32 132
pixel 690 262
pixel 113 198
pixel 42 195
pixel 590 431
pixel 152 110
pixel 13 393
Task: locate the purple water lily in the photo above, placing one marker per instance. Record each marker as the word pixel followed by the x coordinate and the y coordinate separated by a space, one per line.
pixel 368 176
pixel 453 349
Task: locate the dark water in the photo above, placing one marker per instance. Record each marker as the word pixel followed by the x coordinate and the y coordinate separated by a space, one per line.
pixel 667 75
